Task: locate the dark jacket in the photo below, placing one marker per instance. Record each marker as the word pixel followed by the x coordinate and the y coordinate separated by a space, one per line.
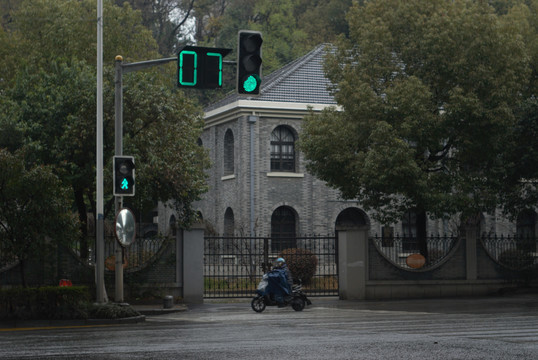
pixel 278 283
pixel 287 273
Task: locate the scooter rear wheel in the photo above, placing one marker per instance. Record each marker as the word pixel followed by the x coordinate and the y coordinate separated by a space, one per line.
pixel 298 304
pixel 258 304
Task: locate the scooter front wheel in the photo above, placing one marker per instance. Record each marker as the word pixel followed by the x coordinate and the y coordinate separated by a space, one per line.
pixel 258 304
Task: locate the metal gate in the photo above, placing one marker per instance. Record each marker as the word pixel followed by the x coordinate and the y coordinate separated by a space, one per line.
pixel 233 266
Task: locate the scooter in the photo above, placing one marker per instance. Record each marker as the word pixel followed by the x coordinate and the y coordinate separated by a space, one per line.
pixel 297 299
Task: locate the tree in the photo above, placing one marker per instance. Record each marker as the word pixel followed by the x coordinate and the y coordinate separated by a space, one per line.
pixel 35 213
pixel 167 20
pixel 428 91
pixel 47 101
pixel 290 27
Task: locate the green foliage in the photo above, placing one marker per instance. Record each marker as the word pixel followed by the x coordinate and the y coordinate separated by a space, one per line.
pixel 520 191
pixel 47 104
pixel 35 213
pixel 49 302
pixel 302 263
pixel 57 303
pixel 429 92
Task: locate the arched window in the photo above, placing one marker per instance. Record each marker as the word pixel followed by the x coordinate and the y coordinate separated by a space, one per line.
pixel 228 152
pixel 526 230
pixel 199 142
pixel 413 230
pixel 282 149
pixel 283 229
pixel 229 222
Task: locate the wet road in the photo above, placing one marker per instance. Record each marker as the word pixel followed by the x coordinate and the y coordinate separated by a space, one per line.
pixel 479 328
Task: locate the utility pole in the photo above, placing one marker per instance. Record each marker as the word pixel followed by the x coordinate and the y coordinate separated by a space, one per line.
pixel 100 221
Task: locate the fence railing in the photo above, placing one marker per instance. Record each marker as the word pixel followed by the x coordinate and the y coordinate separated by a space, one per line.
pixel 512 251
pixel 233 266
pixel 397 249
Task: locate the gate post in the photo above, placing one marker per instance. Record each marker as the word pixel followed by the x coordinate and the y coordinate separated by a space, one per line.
pixel 353 263
pixel 471 265
pixel 193 264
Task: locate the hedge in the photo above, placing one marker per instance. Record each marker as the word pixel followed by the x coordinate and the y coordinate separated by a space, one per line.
pixel 50 302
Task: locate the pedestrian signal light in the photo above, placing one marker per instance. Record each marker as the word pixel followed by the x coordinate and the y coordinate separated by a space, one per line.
pixel 124 176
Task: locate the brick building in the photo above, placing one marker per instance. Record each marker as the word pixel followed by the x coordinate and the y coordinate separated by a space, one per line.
pixel 259 183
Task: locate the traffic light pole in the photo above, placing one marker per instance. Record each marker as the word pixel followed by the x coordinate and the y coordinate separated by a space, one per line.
pixel 120 69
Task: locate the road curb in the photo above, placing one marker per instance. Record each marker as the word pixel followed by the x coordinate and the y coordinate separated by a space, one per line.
pixel 29 324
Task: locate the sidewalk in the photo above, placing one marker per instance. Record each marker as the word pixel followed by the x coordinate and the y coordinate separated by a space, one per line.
pixel 158 309
pixel 144 310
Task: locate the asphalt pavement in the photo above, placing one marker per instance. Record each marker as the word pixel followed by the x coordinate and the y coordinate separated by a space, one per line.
pixel 500 327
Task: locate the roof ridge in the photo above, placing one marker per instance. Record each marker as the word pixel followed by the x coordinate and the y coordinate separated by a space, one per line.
pixel 281 84
pixel 294 66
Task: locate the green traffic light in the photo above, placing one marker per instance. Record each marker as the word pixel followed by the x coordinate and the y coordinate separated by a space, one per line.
pixel 250 84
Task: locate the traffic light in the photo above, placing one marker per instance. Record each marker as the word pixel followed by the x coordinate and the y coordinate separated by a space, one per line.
pixel 249 62
pixel 124 176
pixel 200 67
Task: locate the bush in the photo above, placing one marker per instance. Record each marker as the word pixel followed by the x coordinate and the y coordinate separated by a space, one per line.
pixel 54 303
pixel 302 263
pixel 50 302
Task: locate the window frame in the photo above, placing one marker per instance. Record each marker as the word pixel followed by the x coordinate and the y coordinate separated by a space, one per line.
pixel 228 161
pixel 282 152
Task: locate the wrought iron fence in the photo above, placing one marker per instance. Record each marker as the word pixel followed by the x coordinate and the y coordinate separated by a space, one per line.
pixel 512 251
pixel 140 253
pixel 398 249
pixel 233 266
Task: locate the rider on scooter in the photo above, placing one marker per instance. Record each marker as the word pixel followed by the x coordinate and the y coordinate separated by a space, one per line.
pixel 281 265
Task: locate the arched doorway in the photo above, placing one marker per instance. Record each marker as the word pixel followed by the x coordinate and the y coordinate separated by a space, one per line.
pixel 350 218
pixel 283 229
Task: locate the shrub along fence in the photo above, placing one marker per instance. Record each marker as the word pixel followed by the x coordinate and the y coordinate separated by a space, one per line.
pixel 49 302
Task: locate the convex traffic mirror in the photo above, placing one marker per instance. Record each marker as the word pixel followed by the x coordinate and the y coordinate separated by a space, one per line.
pixel 125 227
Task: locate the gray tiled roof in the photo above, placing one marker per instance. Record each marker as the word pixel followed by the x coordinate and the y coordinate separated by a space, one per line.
pixel 301 81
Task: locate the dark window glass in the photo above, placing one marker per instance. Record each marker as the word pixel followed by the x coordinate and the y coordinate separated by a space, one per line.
pixel 228 152
pixel 283 227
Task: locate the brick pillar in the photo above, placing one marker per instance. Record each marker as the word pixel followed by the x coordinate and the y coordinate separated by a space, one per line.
pixel 193 265
pixel 471 267
pixel 353 263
